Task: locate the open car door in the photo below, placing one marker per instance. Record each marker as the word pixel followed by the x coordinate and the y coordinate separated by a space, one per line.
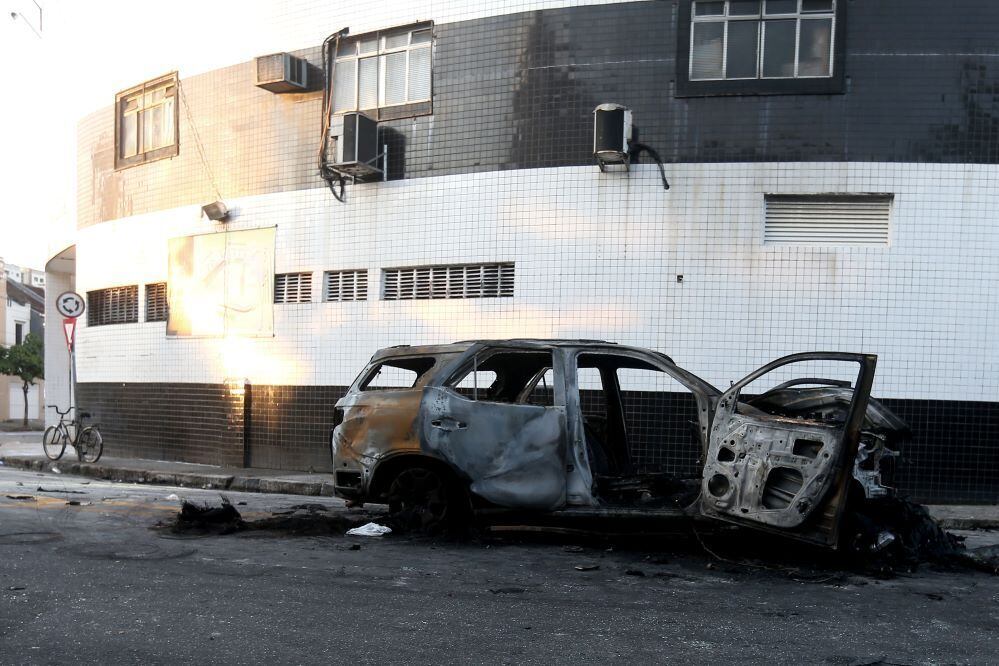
pixel 780 473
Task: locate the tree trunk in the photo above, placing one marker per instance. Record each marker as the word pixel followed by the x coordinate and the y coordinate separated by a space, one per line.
pixel 24 387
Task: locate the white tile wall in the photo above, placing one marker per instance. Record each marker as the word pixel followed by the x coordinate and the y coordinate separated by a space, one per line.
pixel 597 256
pixel 57 360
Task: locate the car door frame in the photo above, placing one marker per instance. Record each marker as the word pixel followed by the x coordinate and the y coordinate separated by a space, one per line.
pixel 516 470
pixel 815 512
pixel 704 394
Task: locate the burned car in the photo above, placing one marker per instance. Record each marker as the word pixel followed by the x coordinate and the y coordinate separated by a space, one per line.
pixel 591 428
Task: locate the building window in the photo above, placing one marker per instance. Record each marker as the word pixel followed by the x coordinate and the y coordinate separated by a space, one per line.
pixel 18 333
pixel 156 301
pixel 116 305
pixel 761 46
pixel 386 73
pixel 345 286
pixel 457 281
pixel 827 219
pixel 146 122
pixel 293 288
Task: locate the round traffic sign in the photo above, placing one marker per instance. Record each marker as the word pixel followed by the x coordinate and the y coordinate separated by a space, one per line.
pixel 70 304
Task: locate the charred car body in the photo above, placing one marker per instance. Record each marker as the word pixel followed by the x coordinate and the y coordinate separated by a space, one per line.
pixel 590 428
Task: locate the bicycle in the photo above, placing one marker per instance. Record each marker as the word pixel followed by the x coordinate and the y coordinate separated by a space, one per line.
pixel 87 440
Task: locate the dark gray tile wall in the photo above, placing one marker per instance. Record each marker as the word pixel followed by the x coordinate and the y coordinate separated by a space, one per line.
pixel 517 91
pixel 951 457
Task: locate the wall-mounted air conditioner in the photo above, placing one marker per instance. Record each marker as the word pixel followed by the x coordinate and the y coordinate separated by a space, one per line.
pixel 612 135
pixel 282 72
pixel 354 143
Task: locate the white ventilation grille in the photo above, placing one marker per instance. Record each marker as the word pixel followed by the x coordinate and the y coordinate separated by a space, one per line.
pixel 458 281
pixel 293 288
pixel 827 219
pixel 345 285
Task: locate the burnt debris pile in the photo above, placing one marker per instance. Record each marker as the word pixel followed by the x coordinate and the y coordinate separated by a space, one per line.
pixel 892 534
pixel 299 520
pixel 207 519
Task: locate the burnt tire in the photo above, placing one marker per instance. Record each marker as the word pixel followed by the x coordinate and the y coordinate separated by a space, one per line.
pixel 426 500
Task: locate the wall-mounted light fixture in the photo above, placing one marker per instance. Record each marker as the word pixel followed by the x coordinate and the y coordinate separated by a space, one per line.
pixel 216 211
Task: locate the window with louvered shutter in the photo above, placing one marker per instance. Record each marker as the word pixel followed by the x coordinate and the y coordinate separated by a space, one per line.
pixel 388 68
pixel 156 301
pixel 448 281
pixel 847 219
pixel 345 285
pixel 115 305
pixel 293 288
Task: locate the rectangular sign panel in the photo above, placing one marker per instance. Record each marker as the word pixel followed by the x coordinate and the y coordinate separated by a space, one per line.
pixel 221 284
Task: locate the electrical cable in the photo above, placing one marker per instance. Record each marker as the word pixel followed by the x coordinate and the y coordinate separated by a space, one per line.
pixel 638 148
pixel 197 140
pixel 329 69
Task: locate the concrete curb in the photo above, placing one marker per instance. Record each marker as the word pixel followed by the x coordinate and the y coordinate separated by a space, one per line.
pixel 256 484
pixel 242 483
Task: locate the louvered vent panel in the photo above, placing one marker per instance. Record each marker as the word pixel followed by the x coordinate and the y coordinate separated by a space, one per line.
pixel 827 219
pixel 440 282
pixel 156 301
pixel 115 305
pixel 345 285
pixel 293 288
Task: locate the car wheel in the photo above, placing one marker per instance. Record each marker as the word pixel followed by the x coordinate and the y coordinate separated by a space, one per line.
pixel 420 500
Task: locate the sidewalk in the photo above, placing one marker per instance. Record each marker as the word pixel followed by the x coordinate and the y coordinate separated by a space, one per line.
pixel 27 455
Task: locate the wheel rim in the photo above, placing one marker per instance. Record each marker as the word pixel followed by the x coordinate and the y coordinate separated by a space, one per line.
pixel 89 445
pixel 53 443
pixel 420 497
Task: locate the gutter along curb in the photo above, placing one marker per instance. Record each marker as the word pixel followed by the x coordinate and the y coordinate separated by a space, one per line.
pixel 952 517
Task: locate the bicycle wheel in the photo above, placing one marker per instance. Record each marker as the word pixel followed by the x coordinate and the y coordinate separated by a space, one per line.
pixel 90 445
pixel 54 443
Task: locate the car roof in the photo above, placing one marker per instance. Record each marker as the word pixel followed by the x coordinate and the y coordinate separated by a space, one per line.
pixel 516 343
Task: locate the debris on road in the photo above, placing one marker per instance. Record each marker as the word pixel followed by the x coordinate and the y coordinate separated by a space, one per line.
pixel 78 503
pixel 587 567
pixel 173 498
pixel 985 558
pixel 222 519
pixel 56 490
pixel 370 530
pixel 23 498
pixel 300 520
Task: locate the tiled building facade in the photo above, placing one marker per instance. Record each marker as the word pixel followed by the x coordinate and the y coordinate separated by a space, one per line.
pixel 498 168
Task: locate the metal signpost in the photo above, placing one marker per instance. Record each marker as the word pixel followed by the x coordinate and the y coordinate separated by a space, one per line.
pixel 70 305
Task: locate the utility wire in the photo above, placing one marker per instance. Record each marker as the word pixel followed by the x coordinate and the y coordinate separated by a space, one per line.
pixel 197 141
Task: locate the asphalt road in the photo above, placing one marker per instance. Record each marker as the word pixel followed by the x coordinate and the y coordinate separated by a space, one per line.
pixel 96 583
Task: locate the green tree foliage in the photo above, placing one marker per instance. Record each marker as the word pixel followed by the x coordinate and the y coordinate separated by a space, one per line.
pixel 25 361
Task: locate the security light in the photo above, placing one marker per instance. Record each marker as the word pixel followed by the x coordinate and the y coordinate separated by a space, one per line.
pixel 216 211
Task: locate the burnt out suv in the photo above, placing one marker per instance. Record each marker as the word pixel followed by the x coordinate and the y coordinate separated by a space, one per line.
pixel 590 428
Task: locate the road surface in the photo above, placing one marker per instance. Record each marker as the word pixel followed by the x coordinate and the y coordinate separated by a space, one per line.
pixel 96 582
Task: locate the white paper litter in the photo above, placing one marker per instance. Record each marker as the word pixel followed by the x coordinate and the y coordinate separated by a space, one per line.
pixel 172 496
pixel 371 529
pixel 56 470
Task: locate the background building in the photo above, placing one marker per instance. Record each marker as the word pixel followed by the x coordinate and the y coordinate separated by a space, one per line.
pixel 833 182
pixel 22 311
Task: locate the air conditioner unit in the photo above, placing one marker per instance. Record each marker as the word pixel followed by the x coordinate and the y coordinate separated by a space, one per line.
pixel 354 143
pixel 282 72
pixel 611 135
